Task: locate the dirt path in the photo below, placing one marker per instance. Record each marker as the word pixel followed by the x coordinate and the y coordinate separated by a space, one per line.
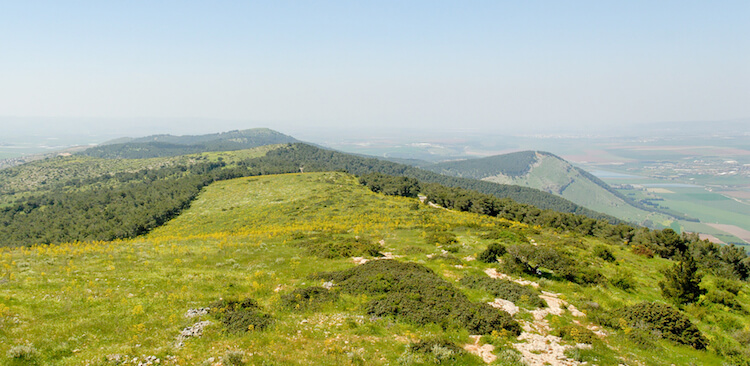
pixel 536 345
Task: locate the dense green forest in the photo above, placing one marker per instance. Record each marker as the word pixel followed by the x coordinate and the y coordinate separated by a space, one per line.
pixel 514 165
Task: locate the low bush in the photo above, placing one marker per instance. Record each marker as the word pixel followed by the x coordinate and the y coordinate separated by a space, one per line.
pixel 577 334
pixel 642 250
pixel 439 237
pixel 663 321
pixel 431 351
pixel 604 253
pixel 623 280
pixel 414 293
pixel 331 247
pixel 24 352
pixel 505 289
pixel 240 316
pixel 725 298
pixel 732 286
pixel 307 298
pixel 534 259
pixel 492 252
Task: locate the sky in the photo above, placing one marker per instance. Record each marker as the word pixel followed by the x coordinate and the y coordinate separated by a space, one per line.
pixel 200 66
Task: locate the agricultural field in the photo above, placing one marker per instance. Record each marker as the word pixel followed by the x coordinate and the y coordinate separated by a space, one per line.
pixel 295 245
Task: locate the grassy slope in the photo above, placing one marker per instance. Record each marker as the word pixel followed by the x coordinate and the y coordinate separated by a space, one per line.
pixel 44 175
pixel 557 176
pixel 77 303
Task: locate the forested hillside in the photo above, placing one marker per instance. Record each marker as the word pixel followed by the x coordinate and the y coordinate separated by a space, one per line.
pixel 168 145
pixel 550 173
pixel 101 205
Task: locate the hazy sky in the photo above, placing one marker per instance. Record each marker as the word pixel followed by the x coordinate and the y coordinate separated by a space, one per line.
pixel 473 64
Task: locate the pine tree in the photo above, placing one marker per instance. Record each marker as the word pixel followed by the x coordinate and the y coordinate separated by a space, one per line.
pixel 682 281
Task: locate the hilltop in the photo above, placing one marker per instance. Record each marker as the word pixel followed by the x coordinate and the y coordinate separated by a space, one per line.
pixel 168 145
pixel 550 173
pixel 316 268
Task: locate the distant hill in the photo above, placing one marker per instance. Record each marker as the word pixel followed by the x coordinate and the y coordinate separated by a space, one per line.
pixel 550 173
pixel 169 145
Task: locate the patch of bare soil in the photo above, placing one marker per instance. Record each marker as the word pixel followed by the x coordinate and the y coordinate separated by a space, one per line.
pixel 485 351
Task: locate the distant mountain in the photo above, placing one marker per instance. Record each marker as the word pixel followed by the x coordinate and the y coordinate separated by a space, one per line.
pixel 169 145
pixel 550 173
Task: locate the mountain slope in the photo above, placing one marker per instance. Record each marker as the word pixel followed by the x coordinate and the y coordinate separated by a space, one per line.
pixel 168 145
pixel 550 173
pixel 236 278
pixel 85 198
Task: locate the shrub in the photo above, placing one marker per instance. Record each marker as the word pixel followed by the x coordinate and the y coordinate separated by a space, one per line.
pixel 725 298
pixel 240 316
pixel 577 334
pixel 23 352
pixel 732 286
pixel 414 293
pixel 643 251
pixel 604 253
pixel 682 282
pixel 663 321
pixel 307 298
pixel 532 259
pixel 441 238
pixel 331 247
pixel 492 252
pixel 234 358
pixel 452 248
pixel 505 289
pixel 623 280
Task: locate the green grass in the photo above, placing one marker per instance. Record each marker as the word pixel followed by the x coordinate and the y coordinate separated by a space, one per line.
pixel 81 302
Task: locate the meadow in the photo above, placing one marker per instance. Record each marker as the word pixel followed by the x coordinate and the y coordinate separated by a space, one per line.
pixel 126 302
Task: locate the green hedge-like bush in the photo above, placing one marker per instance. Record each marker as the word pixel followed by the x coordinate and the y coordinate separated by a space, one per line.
pixel 240 315
pixel 663 321
pixel 531 259
pixel 604 253
pixel 508 290
pixel 307 298
pixel 492 252
pixel 414 293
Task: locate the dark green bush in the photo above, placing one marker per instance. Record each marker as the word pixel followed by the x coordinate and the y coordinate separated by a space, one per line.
pixel 663 321
pixel 534 259
pixel 681 283
pixel 603 252
pixel 504 289
pixel 307 298
pixel 240 315
pixel 492 252
pixel 414 293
